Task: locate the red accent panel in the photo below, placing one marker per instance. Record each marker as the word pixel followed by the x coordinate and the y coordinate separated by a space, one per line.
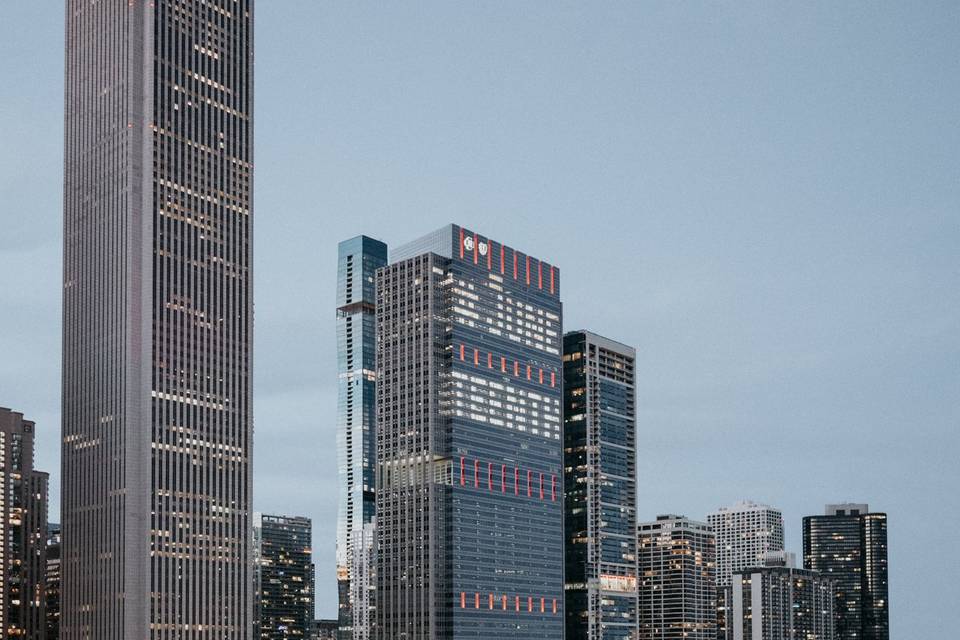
pixel 476 600
pixel 541 376
pixel 503 478
pixel 543 605
pixel 463 354
pixel 541 486
pixel 476 248
pixel 551 280
pixel 461 242
pixel 516 368
pixel 540 275
pixel 463 600
pixel 514 264
pixel 529 604
pixel 518 603
pixel 503 256
pixel 490 476
pixel 528 372
pixel 489 254
pixel 491 601
pixel 529 484
pixel 553 488
pixel 489 360
pixel 476 356
pixel 462 465
pixel 554 605
pixel 503 364
pixel 553 378
pixel 516 481
pixel 528 271
pixel 505 603
pixel 476 473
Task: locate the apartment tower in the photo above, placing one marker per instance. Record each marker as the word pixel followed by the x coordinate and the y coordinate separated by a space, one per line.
pixel 284 577
pixel 157 317
pixel 678 590
pixel 357 263
pixel 23 532
pixel 745 532
pixel 600 487
pixel 469 452
pixel 849 545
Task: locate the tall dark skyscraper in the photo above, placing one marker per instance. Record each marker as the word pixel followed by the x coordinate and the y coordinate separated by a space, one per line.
pixel 600 480
pixel 469 452
pixel 849 545
pixel 157 337
pixel 285 577
pixel 678 588
pixel 23 532
pixel 357 263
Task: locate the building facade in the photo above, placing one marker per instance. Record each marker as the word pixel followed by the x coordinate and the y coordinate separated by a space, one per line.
pixel 284 577
pixel 677 569
pixel 849 545
pixel 52 580
pixel 158 319
pixel 325 630
pixel 357 263
pixel 745 532
pixel 600 487
pixel 779 602
pixel 23 532
pixel 469 452
pixel 363 582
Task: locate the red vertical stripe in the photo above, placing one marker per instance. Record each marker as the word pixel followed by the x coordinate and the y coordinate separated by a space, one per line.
pixel 518 602
pixel 541 376
pixel 529 484
pixel 528 271
pixel 476 600
pixel 554 605
pixel 476 356
pixel 553 488
pixel 476 248
pixel 491 601
pixel 528 372
pixel 489 254
pixel 505 603
pixel 489 360
pixel 516 368
pixel 462 352
pixel 553 378
pixel 503 364
pixel 463 599
pixel 541 486
pixel 461 242
pixel 543 605
pixel 529 604
pixel 503 478
pixel 516 481
pixel 539 275
pixel 476 473
pixel 503 257
pixel 462 465
pixel 551 280
pixel 514 264
pixel 490 476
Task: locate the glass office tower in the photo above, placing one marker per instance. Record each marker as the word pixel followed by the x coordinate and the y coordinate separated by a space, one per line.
pixel 600 487
pixel 469 453
pixel 849 545
pixel 157 320
pixel 357 262
pixel 284 578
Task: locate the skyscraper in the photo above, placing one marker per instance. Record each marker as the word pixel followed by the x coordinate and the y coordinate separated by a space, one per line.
pixel 469 452
pixel 745 532
pixel 357 263
pixel 157 295
pixel 678 590
pixel 849 545
pixel 777 601
pixel 52 581
pixel 600 482
pixel 23 532
pixel 285 581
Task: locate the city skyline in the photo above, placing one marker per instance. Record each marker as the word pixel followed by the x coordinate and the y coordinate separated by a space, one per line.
pixel 797 339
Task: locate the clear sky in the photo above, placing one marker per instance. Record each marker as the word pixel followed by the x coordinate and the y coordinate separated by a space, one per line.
pixel 764 198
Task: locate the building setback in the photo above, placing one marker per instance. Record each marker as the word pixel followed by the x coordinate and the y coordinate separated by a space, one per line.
pixel 357 263
pixel 600 487
pixel 678 591
pixel 745 532
pixel 23 532
pixel 157 320
pixel 849 545
pixel 780 602
pixel 284 579
pixel 469 455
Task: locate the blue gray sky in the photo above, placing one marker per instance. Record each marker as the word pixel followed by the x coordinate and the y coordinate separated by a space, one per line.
pixel 764 198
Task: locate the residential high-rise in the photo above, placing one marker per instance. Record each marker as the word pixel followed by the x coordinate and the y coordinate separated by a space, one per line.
pixel 158 319
pixel 745 532
pixel 849 545
pixel 777 601
pixel 678 590
pixel 600 487
pixel 357 263
pixel 52 581
pixel 23 532
pixel 325 630
pixel 469 451
pixel 284 566
pixel 363 581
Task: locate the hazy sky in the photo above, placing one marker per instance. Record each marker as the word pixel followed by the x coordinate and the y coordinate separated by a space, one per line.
pixel 764 199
